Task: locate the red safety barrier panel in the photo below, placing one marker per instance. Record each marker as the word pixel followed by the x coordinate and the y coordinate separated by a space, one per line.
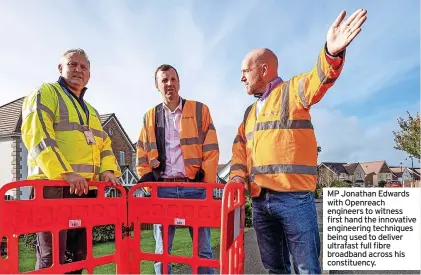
pixel 19 217
pixel 53 215
pixel 233 221
pixel 194 213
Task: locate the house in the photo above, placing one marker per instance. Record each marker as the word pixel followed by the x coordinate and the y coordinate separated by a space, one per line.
pixel 376 171
pixel 13 161
pixel 330 171
pixel 356 174
pixel 401 174
pixel 416 182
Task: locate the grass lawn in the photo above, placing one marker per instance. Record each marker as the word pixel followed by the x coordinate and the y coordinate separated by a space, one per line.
pixel 182 246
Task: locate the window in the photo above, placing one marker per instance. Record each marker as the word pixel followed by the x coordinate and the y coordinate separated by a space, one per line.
pixel 122 158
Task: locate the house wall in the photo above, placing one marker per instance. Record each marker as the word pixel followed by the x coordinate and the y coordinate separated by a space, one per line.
pixel 25 191
pixel 406 175
pixel 6 149
pixel 358 174
pixel 119 143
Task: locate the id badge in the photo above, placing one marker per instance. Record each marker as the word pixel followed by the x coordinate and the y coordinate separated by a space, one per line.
pixel 89 137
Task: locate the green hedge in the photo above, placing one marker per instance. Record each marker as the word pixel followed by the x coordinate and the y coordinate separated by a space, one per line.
pixel 102 234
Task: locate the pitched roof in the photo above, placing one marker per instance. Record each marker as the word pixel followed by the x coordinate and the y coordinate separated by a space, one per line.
pixel 350 167
pixel 10 115
pixel 337 167
pixel 373 166
pixel 397 170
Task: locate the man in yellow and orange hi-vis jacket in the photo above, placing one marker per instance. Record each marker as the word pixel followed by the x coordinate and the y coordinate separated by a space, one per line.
pixel 66 141
pixel 276 149
pixel 178 143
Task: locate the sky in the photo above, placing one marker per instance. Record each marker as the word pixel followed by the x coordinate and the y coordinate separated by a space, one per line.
pixel 206 41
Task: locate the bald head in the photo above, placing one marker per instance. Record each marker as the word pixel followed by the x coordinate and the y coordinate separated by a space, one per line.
pixel 259 67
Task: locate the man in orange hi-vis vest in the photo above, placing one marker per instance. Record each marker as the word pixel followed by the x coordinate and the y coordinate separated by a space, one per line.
pixel 178 143
pixel 276 149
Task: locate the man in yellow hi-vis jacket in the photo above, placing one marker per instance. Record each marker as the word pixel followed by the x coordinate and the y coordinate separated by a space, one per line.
pixel 178 142
pixel 276 149
pixel 66 141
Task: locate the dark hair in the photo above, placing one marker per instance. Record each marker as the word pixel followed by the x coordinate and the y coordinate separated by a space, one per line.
pixel 164 68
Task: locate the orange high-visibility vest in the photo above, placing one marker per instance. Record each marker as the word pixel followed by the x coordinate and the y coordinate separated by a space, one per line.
pixel 278 149
pixel 198 140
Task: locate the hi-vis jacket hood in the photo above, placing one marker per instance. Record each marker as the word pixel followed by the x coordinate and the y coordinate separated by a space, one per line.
pixel 278 150
pixel 54 136
pixel 198 140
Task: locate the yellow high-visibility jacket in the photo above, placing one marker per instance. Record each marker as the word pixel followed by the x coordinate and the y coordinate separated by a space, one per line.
pixel 52 133
pixel 198 140
pixel 278 149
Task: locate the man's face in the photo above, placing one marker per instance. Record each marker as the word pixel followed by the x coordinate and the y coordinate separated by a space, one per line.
pixel 75 69
pixel 168 84
pixel 252 77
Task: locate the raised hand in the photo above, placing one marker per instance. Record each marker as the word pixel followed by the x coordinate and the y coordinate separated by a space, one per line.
pixel 340 35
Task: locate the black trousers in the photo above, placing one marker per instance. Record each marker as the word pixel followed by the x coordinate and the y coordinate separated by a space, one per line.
pixel 72 243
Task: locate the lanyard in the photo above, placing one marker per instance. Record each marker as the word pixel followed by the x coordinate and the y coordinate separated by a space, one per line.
pixel 82 104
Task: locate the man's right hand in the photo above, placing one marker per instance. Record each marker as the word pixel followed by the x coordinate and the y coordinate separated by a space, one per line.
pixel 78 184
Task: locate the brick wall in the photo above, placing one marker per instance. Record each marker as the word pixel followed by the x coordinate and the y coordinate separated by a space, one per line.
pixel 119 143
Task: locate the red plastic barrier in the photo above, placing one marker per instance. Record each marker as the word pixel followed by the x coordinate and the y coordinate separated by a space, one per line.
pixel 53 215
pixel 195 213
pixel 233 221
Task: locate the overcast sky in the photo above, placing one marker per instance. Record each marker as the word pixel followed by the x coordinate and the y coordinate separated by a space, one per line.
pixel 206 41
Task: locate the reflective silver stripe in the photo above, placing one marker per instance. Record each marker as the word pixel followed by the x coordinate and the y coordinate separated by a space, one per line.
pixel 285 104
pixel 190 141
pixel 238 167
pixel 193 161
pixel 284 169
pixel 85 168
pixel 142 160
pixel 44 128
pixel 301 92
pixel 42 146
pixel 154 162
pixel 106 153
pixel 249 136
pixel 147 146
pixel 152 145
pixel 322 77
pixel 239 139
pixel 27 112
pixel 210 147
pixel 211 126
pixel 290 124
pixel 140 145
pixel 64 113
pixel 199 108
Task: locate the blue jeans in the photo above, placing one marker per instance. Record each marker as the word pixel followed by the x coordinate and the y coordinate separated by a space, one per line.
pixel 286 223
pixel 204 245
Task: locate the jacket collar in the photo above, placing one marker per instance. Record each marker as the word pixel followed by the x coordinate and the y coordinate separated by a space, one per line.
pixel 63 83
pixel 269 88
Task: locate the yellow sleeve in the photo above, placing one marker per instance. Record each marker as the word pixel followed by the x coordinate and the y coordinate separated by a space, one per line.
pixel 210 156
pixel 310 87
pixel 38 117
pixel 239 155
pixel 108 159
pixel 142 164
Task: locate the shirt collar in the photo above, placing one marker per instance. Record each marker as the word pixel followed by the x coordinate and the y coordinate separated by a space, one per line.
pixel 269 88
pixel 179 107
pixel 63 83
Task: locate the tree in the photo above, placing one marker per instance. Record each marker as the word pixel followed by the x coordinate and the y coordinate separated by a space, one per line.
pixel 408 138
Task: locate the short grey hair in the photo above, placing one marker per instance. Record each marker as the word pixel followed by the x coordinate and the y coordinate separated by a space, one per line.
pixel 79 51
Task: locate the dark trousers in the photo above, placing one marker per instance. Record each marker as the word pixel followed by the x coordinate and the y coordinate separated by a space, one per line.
pixel 286 223
pixel 72 243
